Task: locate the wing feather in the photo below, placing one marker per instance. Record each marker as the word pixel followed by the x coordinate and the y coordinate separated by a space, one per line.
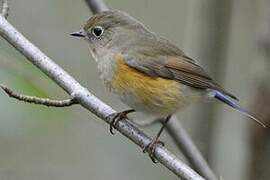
pixel 171 65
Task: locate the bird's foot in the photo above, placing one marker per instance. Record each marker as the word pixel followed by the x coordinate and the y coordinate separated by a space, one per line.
pixel 116 117
pixel 151 147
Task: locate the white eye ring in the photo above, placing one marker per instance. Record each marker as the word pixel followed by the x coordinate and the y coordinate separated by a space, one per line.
pixel 97 31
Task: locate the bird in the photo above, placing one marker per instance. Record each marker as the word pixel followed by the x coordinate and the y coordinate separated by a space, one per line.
pixel 148 72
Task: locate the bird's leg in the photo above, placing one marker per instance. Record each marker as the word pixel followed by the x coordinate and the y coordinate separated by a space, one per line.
pixel 150 148
pixel 118 117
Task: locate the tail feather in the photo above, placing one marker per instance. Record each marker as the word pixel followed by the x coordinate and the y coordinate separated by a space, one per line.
pixel 234 104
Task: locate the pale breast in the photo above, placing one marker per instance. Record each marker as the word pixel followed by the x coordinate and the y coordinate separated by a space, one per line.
pixel 106 68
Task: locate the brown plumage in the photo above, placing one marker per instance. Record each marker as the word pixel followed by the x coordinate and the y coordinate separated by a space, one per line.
pixel 146 71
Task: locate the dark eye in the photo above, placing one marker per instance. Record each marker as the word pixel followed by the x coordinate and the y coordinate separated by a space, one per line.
pixel 97 31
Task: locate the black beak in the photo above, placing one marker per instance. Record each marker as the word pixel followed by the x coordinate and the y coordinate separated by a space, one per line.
pixel 78 34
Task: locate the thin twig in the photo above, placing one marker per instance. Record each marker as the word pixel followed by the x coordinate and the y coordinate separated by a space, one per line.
pixel 188 148
pixel 38 100
pixel 174 127
pixel 97 6
pixel 5 8
pixel 89 101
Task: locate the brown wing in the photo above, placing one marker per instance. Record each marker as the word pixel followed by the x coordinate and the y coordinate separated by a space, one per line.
pixel 184 63
pixel 188 72
pixel 180 68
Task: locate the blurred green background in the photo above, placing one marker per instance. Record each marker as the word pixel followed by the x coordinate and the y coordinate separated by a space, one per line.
pixel 229 38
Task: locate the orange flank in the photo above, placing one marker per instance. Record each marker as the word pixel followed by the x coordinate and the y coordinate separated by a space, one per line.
pixel 150 92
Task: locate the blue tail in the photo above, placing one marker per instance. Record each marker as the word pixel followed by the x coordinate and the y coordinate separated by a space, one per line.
pixel 235 104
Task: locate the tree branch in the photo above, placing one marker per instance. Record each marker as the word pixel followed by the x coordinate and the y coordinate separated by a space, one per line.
pixel 188 148
pixel 97 6
pixel 89 101
pixel 174 127
pixel 38 100
pixel 5 8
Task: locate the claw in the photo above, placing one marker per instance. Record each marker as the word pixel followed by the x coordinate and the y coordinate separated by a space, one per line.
pixel 118 117
pixel 151 147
